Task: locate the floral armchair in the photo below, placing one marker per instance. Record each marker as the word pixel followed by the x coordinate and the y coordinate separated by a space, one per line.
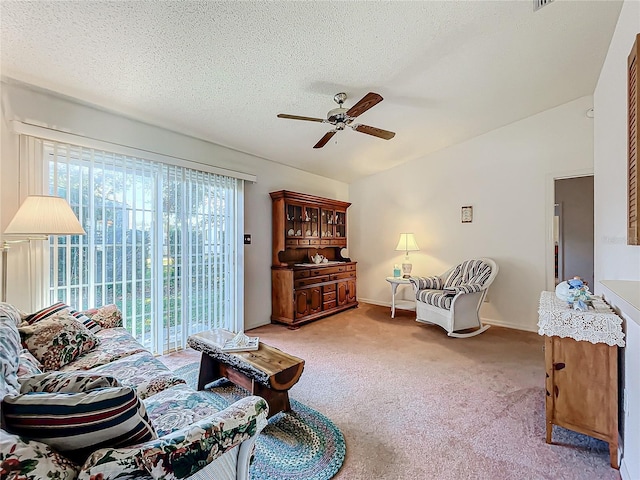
pixel 452 300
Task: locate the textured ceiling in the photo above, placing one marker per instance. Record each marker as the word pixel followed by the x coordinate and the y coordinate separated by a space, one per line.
pixel 221 71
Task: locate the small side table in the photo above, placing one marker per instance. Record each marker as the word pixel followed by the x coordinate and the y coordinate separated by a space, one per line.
pixel 400 304
pixel 581 363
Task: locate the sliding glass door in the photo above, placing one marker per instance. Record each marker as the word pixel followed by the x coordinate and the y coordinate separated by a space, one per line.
pixel 161 243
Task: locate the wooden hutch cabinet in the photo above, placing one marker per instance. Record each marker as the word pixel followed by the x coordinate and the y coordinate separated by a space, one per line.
pixel 303 226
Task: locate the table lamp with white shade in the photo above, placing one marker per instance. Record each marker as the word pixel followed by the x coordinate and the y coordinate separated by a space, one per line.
pixel 38 217
pixel 407 243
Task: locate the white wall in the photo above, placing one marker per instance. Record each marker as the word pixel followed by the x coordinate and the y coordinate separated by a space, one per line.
pixel 507 176
pixel 614 259
pixel 35 106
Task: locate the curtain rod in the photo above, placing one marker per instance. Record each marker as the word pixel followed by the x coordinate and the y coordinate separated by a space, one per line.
pixel 46 133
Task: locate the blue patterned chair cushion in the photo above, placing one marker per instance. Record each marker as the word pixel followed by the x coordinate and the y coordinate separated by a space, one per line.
pixel 429 283
pixel 142 372
pixel 469 271
pixel 467 288
pixel 437 298
pixel 28 364
pixel 66 382
pixel 76 424
pixel 172 409
pixel 10 348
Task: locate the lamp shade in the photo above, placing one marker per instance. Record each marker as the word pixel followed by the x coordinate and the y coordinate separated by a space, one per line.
pixel 407 243
pixel 44 215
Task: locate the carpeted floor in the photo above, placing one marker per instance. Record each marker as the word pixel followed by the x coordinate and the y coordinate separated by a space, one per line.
pixel 413 403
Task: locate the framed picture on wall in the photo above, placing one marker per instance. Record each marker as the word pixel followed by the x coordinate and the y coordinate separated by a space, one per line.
pixel 467 214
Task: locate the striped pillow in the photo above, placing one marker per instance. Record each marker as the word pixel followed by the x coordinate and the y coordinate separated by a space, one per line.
pixel 466 288
pixel 428 283
pixel 62 308
pixel 77 424
pixel 92 326
pixel 47 312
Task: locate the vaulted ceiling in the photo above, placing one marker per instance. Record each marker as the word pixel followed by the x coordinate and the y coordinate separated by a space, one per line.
pixel 222 71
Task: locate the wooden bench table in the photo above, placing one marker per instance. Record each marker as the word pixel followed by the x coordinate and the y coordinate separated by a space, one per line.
pixel 267 372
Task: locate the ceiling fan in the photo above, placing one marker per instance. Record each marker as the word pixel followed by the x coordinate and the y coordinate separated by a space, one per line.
pixel 342 117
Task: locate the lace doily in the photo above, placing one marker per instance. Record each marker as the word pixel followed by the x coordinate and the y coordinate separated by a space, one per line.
pixel 597 325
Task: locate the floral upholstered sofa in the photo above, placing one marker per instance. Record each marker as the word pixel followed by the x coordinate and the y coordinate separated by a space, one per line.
pixel 85 400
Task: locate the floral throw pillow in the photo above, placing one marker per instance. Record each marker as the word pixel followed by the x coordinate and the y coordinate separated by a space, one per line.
pixel 58 340
pixel 26 459
pixel 108 316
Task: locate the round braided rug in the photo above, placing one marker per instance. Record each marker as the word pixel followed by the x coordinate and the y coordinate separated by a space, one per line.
pixel 301 444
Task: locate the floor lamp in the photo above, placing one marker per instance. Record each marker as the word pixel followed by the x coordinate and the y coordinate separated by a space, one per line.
pixel 38 217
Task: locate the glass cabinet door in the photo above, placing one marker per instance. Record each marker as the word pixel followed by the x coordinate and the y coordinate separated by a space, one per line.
pixel 326 223
pixel 340 224
pixel 312 223
pixel 295 221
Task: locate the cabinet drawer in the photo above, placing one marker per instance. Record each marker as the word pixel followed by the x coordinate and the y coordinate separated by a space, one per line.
pixel 314 241
pixel 303 242
pixel 332 270
pixel 328 296
pixel 325 242
pixel 342 276
pixel 328 305
pixel 310 281
pixel 351 267
pixel 301 274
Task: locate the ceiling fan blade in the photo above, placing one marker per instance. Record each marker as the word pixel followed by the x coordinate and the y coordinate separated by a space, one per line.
pixel 297 117
pixel 365 103
pixel 376 132
pixel 323 141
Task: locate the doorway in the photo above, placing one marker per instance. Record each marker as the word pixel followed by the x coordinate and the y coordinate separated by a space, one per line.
pixel 573 229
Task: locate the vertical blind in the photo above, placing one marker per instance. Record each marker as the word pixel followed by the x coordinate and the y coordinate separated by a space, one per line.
pixel 161 243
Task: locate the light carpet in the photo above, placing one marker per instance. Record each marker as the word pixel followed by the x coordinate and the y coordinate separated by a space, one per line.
pixel 301 444
pixel 413 403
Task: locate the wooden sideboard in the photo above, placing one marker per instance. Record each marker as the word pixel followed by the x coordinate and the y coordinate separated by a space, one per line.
pixel 581 364
pixel 303 226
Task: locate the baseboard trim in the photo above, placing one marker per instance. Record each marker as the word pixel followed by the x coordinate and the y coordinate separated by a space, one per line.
pixel 624 473
pixel 497 323
pixel 259 325
pixel 374 302
pixel 500 323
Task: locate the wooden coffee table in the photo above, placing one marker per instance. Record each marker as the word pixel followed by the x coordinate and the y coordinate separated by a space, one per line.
pixel 266 372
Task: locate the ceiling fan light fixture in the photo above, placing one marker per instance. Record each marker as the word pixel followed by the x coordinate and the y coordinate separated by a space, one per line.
pixel 342 117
